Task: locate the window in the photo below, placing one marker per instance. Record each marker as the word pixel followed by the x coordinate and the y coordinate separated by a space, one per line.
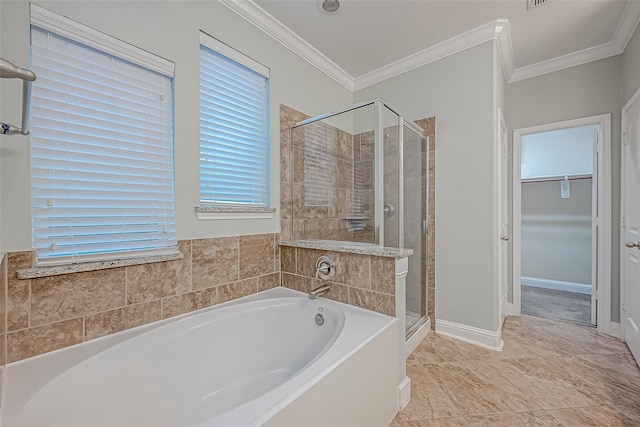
pixel 101 146
pixel 234 127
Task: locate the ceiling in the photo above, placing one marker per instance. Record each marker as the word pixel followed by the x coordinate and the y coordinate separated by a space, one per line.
pixel 368 40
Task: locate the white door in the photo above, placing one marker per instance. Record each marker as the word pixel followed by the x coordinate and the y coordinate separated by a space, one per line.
pixel 504 215
pixel 631 225
pixel 595 223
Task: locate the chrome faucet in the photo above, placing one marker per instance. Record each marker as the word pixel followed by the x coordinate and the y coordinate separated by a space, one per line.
pixel 319 291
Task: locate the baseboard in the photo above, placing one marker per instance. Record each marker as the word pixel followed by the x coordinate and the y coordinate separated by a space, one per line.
pixel 579 288
pixel 418 336
pixel 404 393
pixel 480 337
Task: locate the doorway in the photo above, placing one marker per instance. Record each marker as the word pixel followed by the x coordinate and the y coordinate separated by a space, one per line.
pixel 561 221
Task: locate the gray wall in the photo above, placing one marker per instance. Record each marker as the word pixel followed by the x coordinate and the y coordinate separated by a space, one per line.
pixel 459 91
pixel 585 90
pixel 631 67
pixel 556 232
pixel 168 29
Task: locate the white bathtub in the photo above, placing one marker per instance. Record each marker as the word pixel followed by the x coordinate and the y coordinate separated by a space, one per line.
pixel 259 360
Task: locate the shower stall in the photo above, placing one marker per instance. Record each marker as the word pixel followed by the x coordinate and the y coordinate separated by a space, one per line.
pixel 361 175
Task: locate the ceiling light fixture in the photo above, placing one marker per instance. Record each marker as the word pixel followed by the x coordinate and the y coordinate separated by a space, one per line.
pixel 331 6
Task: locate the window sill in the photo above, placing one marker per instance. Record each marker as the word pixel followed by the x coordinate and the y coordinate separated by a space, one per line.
pixel 216 212
pixel 37 272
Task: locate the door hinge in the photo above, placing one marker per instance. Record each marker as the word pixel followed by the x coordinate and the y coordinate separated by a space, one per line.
pixel 624 138
pixel 624 304
pixel 624 222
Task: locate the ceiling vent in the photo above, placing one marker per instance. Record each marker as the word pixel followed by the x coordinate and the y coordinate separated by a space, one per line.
pixel 532 4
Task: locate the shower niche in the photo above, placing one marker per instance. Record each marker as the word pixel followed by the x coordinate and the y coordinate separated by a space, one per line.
pixel 361 175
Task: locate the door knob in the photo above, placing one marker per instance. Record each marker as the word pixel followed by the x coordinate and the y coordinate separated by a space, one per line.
pixel 505 238
pixel 632 245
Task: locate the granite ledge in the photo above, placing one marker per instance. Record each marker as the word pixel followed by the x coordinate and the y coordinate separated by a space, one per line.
pixel 349 247
pixel 36 272
pixel 235 212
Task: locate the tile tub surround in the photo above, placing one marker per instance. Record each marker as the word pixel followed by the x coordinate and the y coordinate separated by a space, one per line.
pixel 550 373
pixel 3 317
pixel 366 281
pixel 49 313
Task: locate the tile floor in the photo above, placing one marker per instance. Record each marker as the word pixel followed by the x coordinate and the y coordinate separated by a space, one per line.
pixel 550 373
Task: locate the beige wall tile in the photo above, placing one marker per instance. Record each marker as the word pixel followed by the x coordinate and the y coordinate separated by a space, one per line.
pixel 215 261
pixel 145 282
pixel 352 269
pixel 383 275
pixel 18 290
pixel 295 282
pixel 256 255
pixel 68 296
pixel 182 270
pixel 268 282
pixel 237 289
pixel 337 291
pixel 382 303
pixel 288 257
pixel 34 341
pixel 184 303
pixel 109 322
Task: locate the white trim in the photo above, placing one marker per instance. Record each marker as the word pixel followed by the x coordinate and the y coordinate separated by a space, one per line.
pixel 239 57
pixel 621 37
pixel 604 229
pixel 50 21
pixel 490 31
pixel 417 337
pixel 256 15
pixel 623 208
pixel 510 309
pixel 476 336
pixel 614 330
pixel 558 285
pixel 496 30
pixel 404 393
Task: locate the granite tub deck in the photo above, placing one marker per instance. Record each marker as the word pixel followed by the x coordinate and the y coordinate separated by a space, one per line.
pixel 260 360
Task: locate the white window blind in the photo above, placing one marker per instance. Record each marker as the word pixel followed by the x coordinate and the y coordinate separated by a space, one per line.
pixel 234 127
pixel 319 176
pixel 101 150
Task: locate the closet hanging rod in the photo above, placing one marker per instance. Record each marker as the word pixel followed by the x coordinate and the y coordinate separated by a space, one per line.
pixel 9 70
pixel 557 178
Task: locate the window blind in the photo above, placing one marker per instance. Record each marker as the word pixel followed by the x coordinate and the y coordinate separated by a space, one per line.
pixel 101 154
pixel 319 177
pixel 234 127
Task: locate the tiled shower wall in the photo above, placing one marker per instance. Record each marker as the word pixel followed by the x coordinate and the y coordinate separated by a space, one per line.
pixel 362 171
pixel 362 280
pixel 332 178
pixel 53 312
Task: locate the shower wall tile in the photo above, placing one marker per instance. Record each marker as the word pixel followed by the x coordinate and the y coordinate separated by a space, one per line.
pixel 257 255
pixel 58 311
pixel 33 341
pixel 214 261
pixel 269 281
pixel 3 317
pixel 18 290
pixel 236 290
pixel 191 301
pixel 68 296
pixel 352 270
pixel 375 301
pixel 383 276
pixel 355 278
pixel 288 259
pixel 112 321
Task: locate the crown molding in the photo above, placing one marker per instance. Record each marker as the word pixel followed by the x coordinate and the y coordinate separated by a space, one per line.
pixel 270 25
pixel 495 30
pixel 622 35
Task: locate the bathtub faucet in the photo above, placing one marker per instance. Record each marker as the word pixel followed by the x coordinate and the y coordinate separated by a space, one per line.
pixel 319 291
